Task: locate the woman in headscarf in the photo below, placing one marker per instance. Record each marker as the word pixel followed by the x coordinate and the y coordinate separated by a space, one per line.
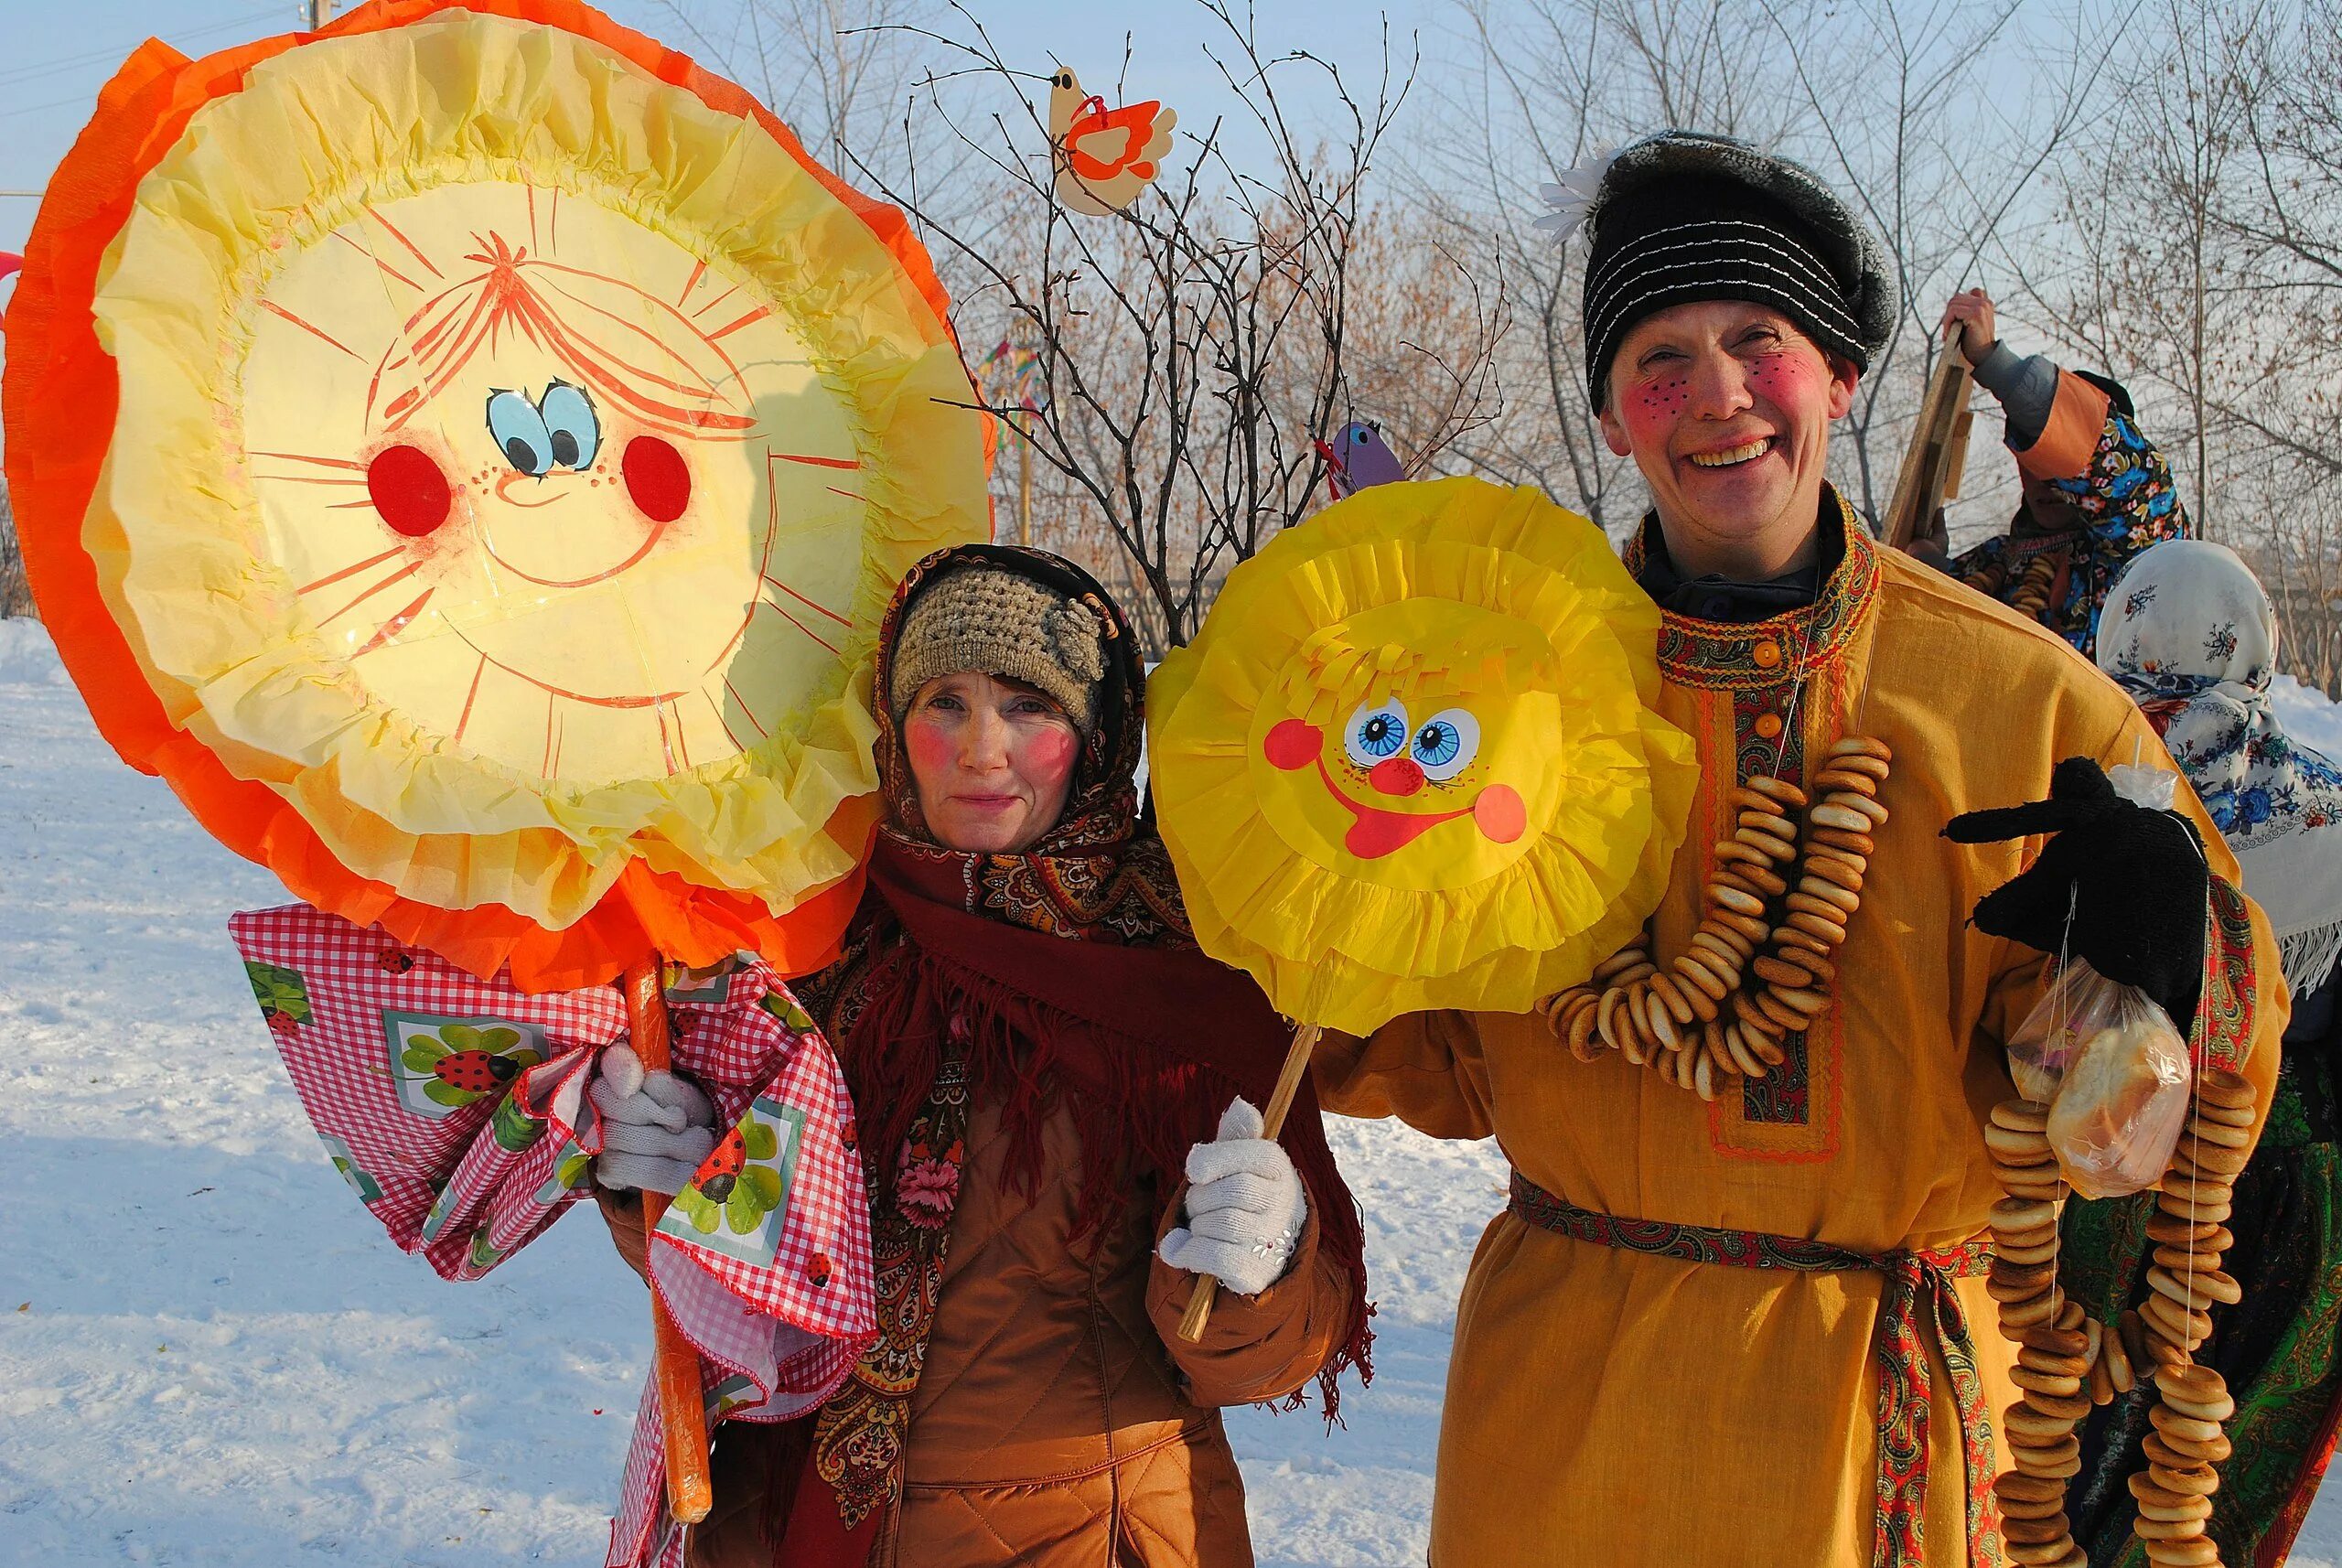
pixel 1037 1051
pixel 2189 632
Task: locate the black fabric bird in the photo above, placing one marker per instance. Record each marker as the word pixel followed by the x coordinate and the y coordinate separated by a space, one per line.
pixel 2133 878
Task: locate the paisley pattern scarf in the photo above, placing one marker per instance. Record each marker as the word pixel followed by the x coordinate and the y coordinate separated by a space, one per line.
pixel 955 984
pixel 2127 502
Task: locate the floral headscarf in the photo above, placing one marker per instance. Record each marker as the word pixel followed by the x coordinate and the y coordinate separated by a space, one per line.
pixel 2190 633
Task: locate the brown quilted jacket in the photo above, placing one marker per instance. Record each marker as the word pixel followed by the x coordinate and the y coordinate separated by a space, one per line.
pixel 1059 1421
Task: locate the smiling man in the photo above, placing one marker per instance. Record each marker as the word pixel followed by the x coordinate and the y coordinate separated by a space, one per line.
pixel 1757 1329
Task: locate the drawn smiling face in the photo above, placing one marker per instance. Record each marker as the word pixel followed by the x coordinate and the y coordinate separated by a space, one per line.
pixel 1408 772
pixel 519 452
pixel 1366 753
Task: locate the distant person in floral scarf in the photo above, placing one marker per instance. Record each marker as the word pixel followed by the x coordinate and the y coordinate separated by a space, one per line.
pixel 2189 632
pixel 2096 490
pixel 1037 1053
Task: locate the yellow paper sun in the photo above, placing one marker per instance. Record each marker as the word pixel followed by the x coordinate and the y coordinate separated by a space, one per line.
pixel 1409 761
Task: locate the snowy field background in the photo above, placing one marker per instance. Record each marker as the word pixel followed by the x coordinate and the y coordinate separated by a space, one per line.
pixel 210 1354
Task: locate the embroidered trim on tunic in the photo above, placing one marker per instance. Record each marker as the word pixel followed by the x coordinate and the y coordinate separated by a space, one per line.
pixel 1905 1381
pixel 1783 1095
pixel 2223 1028
pixel 1780 648
pixel 1794 1116
pixel 1757 669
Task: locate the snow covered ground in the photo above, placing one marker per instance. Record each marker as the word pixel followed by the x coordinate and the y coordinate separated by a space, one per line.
pixel 209 1353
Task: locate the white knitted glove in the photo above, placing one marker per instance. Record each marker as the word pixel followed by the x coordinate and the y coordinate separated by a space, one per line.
pixel 656 1127
pixel 1245 1208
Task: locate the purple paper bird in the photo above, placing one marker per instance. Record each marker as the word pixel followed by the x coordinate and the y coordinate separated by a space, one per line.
pixel 1358 456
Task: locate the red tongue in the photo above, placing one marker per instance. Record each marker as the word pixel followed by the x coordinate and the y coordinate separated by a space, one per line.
pixel 1499 811
pixel 1377 834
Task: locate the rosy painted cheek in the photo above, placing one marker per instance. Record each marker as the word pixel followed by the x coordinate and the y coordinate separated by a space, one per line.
pixel 1785 381
pixel 1651 409
pixel 1045 760
pixel 932 752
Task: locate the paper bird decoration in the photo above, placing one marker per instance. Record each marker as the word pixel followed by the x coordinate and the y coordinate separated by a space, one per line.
pixel 1358 457
pixel 9 263
pixel 1103 157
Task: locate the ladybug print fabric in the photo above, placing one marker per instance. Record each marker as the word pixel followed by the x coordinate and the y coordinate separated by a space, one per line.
pixel 738 1198
pixel 456 1109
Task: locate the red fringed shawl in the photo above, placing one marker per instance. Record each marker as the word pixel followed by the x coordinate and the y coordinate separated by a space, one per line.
pixel 1146 1046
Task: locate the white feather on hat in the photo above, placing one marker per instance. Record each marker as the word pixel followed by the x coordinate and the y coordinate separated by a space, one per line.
pixel 1573 197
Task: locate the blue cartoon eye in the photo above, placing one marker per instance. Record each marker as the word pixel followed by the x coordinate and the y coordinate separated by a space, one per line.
pixel 1446 743
pixel 519 433
pixel 570 425
pixel 1375 733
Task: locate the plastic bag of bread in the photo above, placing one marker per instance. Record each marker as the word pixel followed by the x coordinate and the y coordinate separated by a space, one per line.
pixel 2046 1044
pixel 2115 1073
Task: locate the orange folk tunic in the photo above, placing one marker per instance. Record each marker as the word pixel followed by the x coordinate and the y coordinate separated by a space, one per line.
pixel 1614 1408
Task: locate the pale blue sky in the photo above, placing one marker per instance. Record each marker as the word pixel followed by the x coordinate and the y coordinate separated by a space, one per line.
pixel 55 54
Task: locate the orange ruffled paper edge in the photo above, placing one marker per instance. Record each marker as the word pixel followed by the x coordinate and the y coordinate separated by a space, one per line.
pixel 58 442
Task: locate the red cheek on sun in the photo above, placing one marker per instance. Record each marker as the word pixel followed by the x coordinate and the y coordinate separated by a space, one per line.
pixel 657 479
pixel 408 490
pixel 1292 744
pixel 1501 813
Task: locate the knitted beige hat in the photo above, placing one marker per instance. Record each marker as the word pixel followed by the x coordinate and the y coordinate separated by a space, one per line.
pixel 980 618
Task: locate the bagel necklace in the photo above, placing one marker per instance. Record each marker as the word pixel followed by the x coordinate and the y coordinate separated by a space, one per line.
pixel 2068 1361
pixel 1787 882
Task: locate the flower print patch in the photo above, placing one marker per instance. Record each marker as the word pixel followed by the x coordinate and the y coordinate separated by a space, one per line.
pixel 737 1198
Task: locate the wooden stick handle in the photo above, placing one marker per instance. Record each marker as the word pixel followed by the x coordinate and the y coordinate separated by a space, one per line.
pixel 683 1413
pixel 1921 483
pixel 1296 1068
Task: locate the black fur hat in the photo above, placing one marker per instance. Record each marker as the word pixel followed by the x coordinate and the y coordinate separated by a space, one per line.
pixel 1683 215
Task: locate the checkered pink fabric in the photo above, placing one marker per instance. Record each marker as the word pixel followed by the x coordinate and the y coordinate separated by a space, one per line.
pixel 456 1109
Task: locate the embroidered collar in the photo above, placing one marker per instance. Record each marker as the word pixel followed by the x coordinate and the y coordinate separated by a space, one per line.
pixel 2024 525
pixel 1794 643
pixel 1718 599
pixel 2017 546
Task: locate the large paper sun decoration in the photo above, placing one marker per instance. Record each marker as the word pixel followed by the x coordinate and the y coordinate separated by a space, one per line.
pixel 468 453
pixel 1411 760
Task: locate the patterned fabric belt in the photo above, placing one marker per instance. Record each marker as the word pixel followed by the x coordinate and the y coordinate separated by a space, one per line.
pixel 1906 1382
pixel 2026 547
